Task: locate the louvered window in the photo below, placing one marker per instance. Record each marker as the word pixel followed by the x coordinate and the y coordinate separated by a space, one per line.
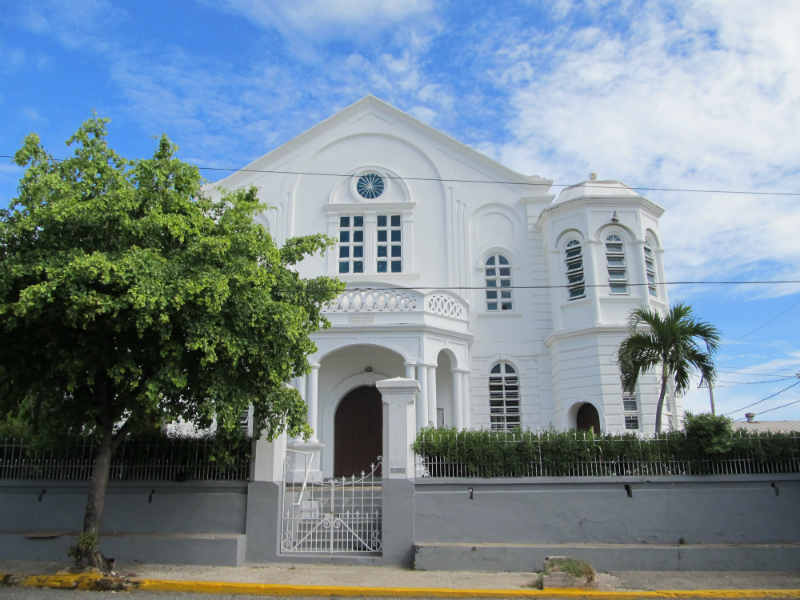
pixel 498 283
pixel 615 259
pixel 576 285
pixel 650 267
pixel 504 397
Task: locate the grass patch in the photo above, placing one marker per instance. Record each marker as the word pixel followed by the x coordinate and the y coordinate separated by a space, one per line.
pixel 571 566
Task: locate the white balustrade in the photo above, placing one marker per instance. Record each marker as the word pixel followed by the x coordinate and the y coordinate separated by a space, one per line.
pixel 441 304
pixel 372 300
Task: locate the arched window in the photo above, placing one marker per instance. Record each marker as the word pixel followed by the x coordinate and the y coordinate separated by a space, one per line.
pixel 504 397
pixel 498 283
pixel 576 286
pixel 615 259
pixel 650 267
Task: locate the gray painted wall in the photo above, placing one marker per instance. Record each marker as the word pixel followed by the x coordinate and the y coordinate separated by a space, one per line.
pixel 190 507
pixel 701 510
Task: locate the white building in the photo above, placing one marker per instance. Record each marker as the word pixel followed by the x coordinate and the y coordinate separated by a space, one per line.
pixel 505 301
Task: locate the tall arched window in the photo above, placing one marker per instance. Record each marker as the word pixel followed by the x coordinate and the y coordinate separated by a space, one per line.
pixel 650 267
pixel 498 283
pixel 504 397
pixel 615 259
pixel 576 286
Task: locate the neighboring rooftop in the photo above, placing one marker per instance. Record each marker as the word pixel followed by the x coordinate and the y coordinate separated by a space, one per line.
pixel 768 426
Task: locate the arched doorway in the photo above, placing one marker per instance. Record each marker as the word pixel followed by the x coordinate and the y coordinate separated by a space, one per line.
pixel 588 418
pixel 358 439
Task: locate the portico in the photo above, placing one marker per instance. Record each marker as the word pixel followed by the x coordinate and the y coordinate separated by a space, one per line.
pixel 379 334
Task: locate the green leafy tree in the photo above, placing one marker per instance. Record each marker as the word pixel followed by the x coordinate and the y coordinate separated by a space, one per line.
pixel 673 343
pixel 129 297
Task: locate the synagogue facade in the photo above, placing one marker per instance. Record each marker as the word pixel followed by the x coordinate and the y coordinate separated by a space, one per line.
pixel 505 300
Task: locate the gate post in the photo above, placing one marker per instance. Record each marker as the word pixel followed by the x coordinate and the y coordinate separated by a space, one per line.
pixel 397 494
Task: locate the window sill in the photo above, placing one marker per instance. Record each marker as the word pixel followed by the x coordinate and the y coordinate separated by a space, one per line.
pixel 376 277
pixel 500 315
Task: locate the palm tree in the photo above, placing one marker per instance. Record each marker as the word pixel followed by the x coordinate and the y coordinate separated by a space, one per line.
pixel 672 341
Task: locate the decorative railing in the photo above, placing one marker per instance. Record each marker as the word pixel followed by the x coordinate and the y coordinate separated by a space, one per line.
pixel 441 304
pixel 165 459
pixel 372 300
pixel 389 300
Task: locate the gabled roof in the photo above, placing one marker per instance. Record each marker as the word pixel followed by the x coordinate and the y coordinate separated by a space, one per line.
pixel 371 101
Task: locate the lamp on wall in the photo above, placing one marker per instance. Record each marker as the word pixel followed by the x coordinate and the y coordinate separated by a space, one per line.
pixel 615 218
pixel 369 377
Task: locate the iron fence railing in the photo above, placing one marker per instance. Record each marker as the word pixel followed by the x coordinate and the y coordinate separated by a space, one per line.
pixel 537 456
pixel 167 459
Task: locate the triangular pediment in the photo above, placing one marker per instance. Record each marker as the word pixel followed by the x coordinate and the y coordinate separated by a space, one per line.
pixel 372 113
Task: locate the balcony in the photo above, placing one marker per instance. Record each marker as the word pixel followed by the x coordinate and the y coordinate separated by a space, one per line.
pixel 376 306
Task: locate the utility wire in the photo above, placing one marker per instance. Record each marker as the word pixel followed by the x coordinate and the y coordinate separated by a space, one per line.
pixel 764 400
pixel 776 408
pixel 762 326
pixel 526 183
pixel 733 383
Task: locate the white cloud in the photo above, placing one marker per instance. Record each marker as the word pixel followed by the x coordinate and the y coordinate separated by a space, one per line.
pixel 708 99
pixel 76 23
pixel 328 19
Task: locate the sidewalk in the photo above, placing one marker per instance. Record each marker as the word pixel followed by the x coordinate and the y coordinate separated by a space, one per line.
pixel 394 577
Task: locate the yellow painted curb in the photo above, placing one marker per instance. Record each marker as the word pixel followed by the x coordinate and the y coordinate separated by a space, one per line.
pixel 270 589
pixel 96 582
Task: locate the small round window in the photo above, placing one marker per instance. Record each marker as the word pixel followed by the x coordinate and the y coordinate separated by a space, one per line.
pixel 370 186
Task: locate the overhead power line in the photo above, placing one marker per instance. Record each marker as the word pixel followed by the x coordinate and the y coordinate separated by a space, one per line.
pixel 491 182
pixel 776 408
pixel 761 326
pixel 764 400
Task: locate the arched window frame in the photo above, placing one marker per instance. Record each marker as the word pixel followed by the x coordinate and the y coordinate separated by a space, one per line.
pixel 504 397
pixel 575 269
pixel 651 268
pixel 616 264
pixel 499 283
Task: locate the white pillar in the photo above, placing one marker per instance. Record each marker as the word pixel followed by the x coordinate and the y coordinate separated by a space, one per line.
pixel 422 400
pixel 592 276
pixel 267 459
pixel 410 370
pixel 313 400
pixel 557 268
pixel 458 405
pixel 398 396
pixel 465 399
pixel 432 416
pixel 301 386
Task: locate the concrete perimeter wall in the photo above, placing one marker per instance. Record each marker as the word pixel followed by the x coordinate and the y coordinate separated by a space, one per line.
pixel 151 521
pixel 691 523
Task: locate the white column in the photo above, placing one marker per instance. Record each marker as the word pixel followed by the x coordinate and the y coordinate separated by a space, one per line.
pixel 557 269
pixel 432 417
pixel 458 405
pixel 593 278
pixel 410 370
pixel 332 253
pixel 422 399
pixel 370 244
pixel 398 396
pixel 302 387
pixel 465 398
pixel 313 400
pixel 636 248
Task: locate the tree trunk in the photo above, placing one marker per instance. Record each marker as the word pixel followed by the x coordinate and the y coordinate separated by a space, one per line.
pixel 98 484
pixel 660 405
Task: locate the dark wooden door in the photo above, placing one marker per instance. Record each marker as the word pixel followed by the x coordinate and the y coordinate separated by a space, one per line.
pixel 588 418
pixel 359 432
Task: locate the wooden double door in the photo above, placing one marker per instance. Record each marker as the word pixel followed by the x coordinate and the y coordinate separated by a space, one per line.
pixel 358 438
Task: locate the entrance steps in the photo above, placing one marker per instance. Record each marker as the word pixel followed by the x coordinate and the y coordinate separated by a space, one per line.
pixel 609 557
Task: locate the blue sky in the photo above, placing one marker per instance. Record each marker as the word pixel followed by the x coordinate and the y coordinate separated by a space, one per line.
pixel 688 95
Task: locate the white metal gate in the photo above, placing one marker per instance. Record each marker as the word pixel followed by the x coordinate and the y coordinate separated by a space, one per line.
pixel 329 516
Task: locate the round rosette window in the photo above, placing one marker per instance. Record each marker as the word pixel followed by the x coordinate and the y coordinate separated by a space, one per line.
pixel 370 186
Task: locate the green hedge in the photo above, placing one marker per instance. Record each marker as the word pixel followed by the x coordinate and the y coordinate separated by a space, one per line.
pixel 704 447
